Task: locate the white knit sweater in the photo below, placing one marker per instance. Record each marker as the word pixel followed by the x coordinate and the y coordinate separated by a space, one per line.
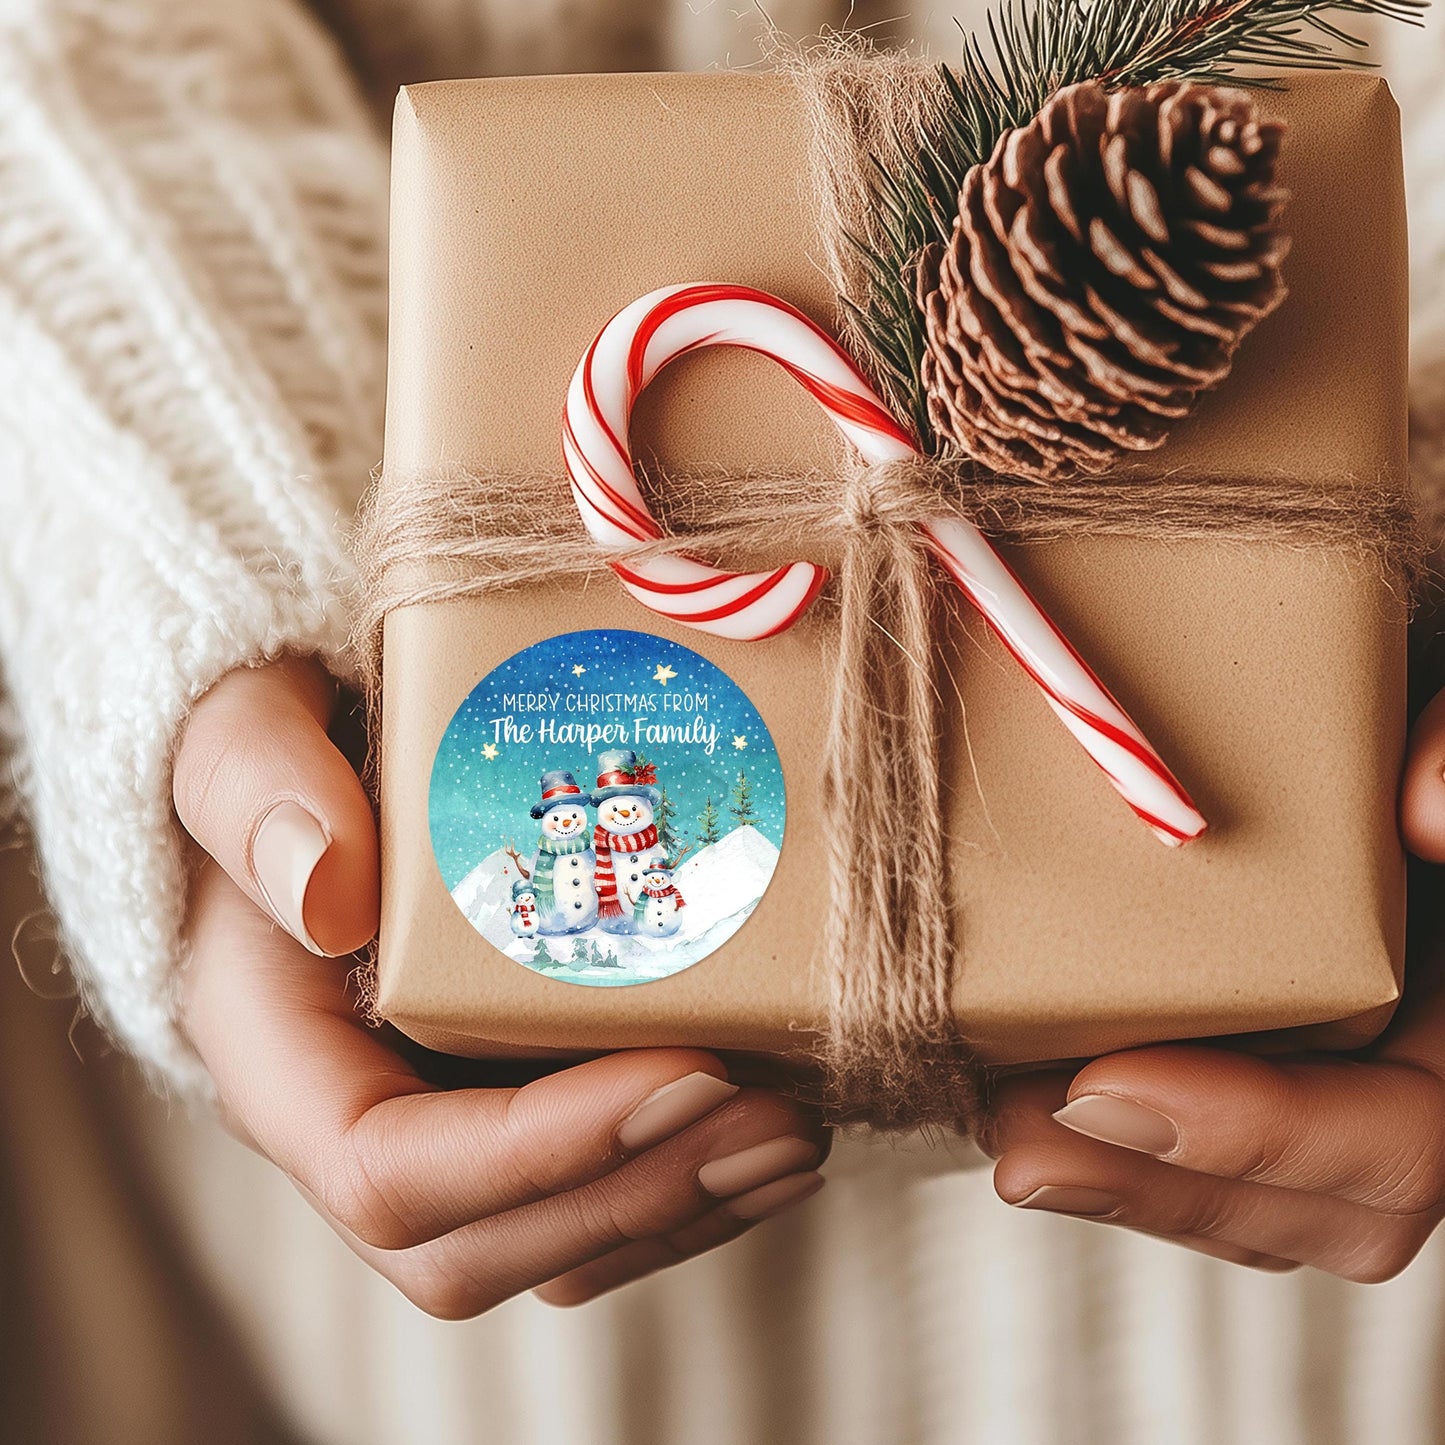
pixel 191 375
pixel 192 288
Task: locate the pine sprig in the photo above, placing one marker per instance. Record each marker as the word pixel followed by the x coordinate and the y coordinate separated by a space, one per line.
pixel 1030 49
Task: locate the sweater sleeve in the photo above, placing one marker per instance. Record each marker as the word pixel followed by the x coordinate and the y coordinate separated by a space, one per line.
pixel 192 284
pixel 1414 61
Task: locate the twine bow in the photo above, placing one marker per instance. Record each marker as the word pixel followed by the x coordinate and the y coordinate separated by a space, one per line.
pixel 894 1054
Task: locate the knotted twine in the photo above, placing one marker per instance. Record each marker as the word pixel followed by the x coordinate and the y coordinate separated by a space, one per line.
pixel 893 1054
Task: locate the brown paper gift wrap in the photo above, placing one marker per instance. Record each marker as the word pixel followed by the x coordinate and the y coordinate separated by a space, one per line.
pixel 526 212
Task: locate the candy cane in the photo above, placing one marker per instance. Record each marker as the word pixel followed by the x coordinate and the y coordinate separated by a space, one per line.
pixel 665 324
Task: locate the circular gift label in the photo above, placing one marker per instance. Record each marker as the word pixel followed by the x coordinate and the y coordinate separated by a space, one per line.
pixel 606 807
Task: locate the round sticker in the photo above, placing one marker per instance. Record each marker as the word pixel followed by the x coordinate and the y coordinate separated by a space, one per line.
pixel 606 807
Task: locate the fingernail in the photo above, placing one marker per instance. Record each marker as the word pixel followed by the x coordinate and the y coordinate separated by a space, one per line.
pixel 284 853
pixel 1061 1199
pixel 672 1109
pixel 750 1169
pixel 1122 1122
pixel 773 1198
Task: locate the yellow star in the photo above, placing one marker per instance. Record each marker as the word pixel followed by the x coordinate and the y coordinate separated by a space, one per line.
pixel 739 741
pixel 489 751
pixel 578 670
pixel 664 674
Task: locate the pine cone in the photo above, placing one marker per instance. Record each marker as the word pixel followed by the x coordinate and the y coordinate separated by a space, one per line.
pixel 1106 262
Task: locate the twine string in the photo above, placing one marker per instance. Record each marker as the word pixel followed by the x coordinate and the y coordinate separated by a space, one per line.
pixel 893 1055
pixel 456 533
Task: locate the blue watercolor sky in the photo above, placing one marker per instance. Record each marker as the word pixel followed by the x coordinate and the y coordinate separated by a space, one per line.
pixel 485 776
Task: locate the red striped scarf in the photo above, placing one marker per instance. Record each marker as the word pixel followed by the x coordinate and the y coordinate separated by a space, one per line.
pixel 639 910
pixel 603 843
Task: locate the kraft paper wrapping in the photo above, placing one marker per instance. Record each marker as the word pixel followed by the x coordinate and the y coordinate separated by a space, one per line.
pixel 1272 678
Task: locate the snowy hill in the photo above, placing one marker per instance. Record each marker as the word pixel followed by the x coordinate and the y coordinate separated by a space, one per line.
pixel 724 880
pixel 722 884
pixel 484 895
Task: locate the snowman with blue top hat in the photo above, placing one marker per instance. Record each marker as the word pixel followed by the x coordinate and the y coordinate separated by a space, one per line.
pixel 525 920
pixel 625 840
pixel 563 876
pixel 658 910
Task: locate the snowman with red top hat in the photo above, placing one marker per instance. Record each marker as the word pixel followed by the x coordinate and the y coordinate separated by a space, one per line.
pixel 624 840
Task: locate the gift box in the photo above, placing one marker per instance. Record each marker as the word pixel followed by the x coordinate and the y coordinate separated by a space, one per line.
pixel 1271 675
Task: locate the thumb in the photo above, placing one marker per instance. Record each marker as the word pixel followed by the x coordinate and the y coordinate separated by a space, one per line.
pixel 1422 794
pixel 260 786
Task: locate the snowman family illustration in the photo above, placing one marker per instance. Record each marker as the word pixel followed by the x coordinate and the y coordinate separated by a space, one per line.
pixel 613 875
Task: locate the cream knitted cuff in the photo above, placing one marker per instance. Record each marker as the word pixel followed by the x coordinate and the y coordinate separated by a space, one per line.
pixel 192 307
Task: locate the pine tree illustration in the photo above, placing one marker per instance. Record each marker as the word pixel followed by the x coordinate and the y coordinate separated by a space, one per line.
pixel 708 822
pixel 741 803
pixel 543 956
pixel 666 819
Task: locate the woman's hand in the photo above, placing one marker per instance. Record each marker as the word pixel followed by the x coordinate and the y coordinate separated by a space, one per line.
pixel 578 1181
pixel 1337 1163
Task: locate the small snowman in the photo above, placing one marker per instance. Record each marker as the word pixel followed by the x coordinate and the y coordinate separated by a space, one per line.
pixel 625 838
pixel 563 873
pixel 524 909
pixel 656 914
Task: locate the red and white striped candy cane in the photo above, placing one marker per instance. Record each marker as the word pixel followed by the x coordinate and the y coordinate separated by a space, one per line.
pixel 665 324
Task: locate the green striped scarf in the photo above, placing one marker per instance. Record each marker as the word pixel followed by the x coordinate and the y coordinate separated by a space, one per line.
pixel 548 852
